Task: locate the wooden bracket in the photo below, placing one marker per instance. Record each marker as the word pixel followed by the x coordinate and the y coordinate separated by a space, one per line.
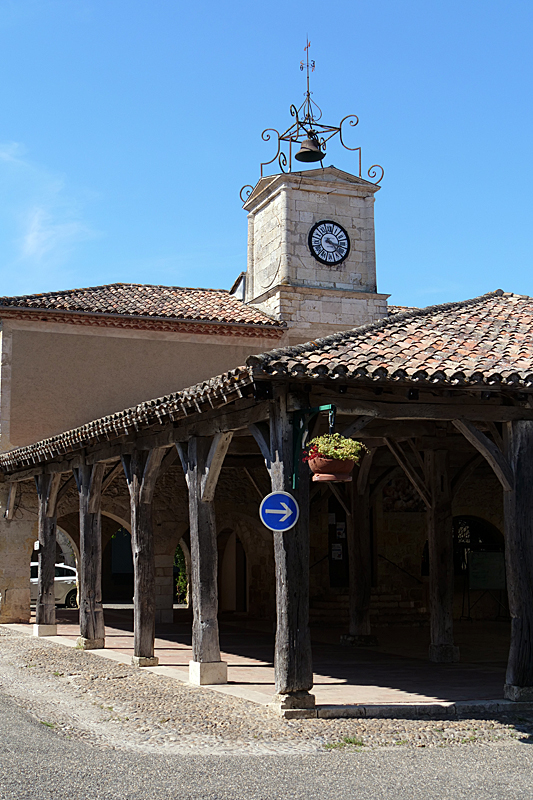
pixel 490 452
pixel 344 503
pixel 47 490
pixel 356 426
pixel 410 471
pixel 145 466
pixel 150 473
pixel 111 475
pixel 11 500
pixel 184 458
pixel 168 461
pixel 261 433
pixel 364 470
pixel 213 465
pixel 95 488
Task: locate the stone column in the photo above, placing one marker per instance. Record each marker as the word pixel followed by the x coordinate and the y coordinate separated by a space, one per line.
pixel 16 547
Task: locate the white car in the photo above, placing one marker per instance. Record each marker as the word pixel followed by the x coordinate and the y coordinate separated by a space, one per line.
pixel 65 585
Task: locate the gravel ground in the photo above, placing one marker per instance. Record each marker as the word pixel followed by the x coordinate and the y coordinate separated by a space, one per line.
pixel 84 697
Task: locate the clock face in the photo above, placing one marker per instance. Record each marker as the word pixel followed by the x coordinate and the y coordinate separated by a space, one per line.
pixel 328 242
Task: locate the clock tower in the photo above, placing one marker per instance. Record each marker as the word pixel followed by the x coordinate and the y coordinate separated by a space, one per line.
pixel 311 252
pixel 311 247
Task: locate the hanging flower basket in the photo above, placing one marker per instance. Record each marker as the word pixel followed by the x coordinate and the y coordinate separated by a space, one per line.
pixel 332 457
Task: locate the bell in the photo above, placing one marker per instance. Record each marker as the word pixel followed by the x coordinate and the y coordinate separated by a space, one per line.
pixel 310 151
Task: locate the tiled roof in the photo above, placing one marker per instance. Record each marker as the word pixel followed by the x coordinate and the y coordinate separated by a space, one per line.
pixel 203 396
pixel 145 301
pixel 487 340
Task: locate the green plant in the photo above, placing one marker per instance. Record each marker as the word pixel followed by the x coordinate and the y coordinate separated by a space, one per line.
pixel 346 740
pixel 333 445
pixel 181 578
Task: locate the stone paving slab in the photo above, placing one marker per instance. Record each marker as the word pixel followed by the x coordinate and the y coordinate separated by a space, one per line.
pixel 79 695
pixel 349 682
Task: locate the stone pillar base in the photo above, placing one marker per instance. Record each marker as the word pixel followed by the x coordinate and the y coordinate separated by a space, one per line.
pixel 89 644
pixel 443 653
pixel 204 673
pixel 359 641
pixel 44 630
pixel 518 693
pixel 144 661
pixel 294 705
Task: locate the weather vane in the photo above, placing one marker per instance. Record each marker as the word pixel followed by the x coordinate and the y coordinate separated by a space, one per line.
pixel 310 134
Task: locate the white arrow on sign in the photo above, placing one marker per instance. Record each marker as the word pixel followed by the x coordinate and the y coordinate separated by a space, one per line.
pixel 286 511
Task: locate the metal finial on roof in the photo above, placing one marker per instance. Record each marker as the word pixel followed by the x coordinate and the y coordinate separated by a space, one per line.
pixel 309 134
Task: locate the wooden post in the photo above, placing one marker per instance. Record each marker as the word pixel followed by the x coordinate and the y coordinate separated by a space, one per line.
pixel 141 469
pixel 202 464
pixel 440 541
pixel 92 629
pixel 360 557
pixel 518 509
pixel 45 614
pixel 293 659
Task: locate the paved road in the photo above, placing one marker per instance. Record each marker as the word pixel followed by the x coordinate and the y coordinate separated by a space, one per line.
pixel 36 763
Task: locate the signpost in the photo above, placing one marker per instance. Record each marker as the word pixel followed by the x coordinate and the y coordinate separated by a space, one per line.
pixel 279 511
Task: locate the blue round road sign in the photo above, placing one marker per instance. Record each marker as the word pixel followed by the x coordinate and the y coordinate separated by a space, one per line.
pixel 279 511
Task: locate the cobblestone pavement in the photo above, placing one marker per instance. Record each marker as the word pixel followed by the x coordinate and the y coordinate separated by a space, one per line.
pixel 83 696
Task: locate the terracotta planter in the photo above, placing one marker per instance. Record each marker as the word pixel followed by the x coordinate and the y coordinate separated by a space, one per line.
pixel 331 469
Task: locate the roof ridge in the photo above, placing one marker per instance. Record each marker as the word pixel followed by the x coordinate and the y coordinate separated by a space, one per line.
pixel 344 336
pixel 109 286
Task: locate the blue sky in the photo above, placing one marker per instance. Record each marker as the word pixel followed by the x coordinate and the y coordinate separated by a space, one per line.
pixel 128 127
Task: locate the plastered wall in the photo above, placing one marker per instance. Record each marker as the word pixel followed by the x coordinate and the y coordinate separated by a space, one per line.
pixel 59 380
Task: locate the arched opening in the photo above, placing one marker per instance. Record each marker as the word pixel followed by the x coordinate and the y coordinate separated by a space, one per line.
pixel 66 571
pixel 479 563
pixel 182 575
pixel 232 573
pixel 117 565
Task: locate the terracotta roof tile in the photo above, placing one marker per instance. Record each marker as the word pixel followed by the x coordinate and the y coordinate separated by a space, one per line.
pixel 146 301
pixel 488 338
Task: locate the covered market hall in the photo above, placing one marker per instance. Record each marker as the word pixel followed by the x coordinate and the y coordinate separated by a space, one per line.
pixel 434 528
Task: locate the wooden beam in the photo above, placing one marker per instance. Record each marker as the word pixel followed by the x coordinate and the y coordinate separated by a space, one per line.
pixel 292 659
pixel 254 484
pixel 344 502
pixel 409 470
pixel 261 433
pixel 204 554
pixel 364 471
pixel 234 418
pixel 418 458
pixel 215 459
pixel 357 425
pixel 478 412
pixel 92 629
pixel 518 513
pixel 11 501
pixel 168 461
pixel 45 613
pixel 359 537
pixel 496 435
pixel 67 485
pixel 140 469
pixel 111 475
pixel 150 474
pixel 489 451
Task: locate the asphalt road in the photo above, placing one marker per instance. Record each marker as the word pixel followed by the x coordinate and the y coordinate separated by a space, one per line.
pixel 37 763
